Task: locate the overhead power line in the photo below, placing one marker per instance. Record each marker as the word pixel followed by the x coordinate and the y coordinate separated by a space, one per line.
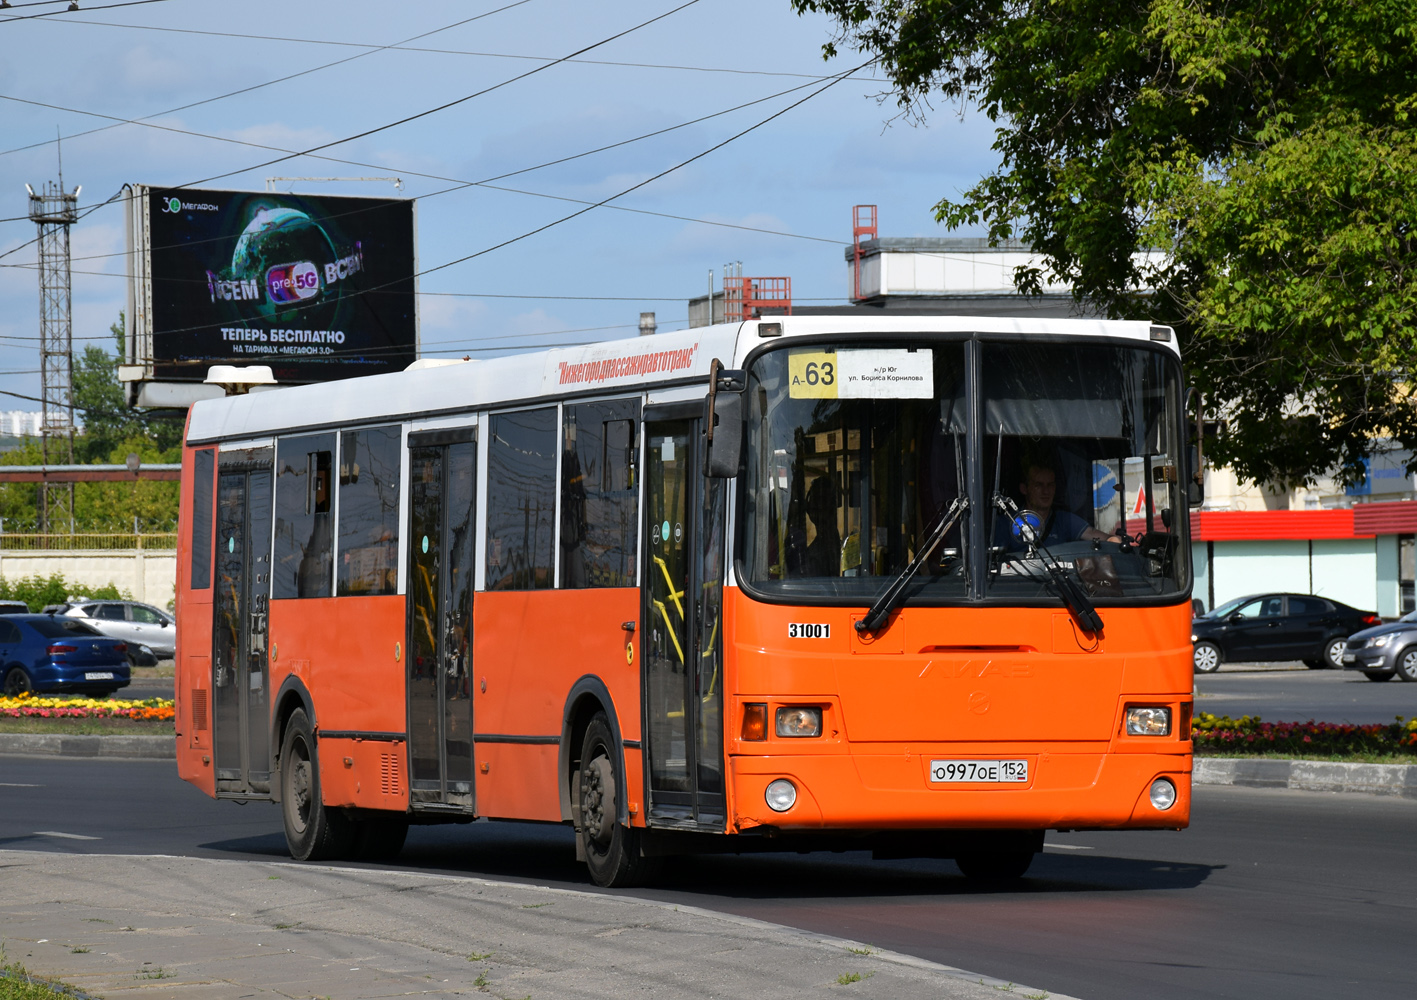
pixel 66 10
pixel 268 83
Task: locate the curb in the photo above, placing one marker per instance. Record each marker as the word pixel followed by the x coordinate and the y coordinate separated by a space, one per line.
pixel 1308 775
pixel 57 745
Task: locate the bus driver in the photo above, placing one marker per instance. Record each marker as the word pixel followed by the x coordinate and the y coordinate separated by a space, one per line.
pixel 1039 487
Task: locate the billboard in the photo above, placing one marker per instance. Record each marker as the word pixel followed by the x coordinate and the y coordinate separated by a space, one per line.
pixel 317 287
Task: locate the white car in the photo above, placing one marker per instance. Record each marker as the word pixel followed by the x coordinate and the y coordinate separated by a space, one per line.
pixel 135 623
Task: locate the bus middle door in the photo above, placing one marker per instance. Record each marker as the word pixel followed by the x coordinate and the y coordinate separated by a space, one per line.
pixel 442 519
pixel 681 647
pixel 241 719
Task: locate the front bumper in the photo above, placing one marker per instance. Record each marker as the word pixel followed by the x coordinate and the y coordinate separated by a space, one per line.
pixel 1382 660
pixel 881 791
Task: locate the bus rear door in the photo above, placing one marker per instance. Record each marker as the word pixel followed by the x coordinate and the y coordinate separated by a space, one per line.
pixel 241 719
pixel 442 519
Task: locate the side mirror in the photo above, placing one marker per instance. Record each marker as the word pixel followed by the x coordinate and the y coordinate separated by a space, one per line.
pixel 723 421
pixel 1195 482
pixel 1235 619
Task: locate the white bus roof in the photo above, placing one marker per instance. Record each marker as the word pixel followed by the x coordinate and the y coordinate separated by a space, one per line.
pixel 609 367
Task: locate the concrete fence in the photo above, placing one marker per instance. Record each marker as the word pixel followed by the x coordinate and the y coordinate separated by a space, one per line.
pixel 148 574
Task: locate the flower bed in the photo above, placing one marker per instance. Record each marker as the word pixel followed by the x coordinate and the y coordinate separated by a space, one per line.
pixel 1221 735
pixel 32 707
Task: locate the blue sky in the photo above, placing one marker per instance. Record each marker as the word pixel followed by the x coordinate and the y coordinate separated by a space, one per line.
pixel 799 174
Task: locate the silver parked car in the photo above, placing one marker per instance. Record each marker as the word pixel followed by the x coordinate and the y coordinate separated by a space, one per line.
pixel 136 623
pixel 1385 651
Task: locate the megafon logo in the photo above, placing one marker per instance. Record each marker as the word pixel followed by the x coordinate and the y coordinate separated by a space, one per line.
pixel 176 206
pixel 293 282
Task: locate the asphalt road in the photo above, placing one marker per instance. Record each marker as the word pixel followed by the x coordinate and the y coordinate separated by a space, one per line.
pixel 1292 692
pixel 1269 894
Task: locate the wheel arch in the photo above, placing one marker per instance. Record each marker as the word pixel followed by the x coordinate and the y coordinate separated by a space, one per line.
pixel 293 694
pixel 588 696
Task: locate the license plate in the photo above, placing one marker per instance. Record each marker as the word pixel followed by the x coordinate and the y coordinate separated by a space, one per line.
pixel 989 772
pixel 99 675
pixel 1350 657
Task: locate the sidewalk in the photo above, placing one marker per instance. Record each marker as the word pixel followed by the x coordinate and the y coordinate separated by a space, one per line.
pixel 195 928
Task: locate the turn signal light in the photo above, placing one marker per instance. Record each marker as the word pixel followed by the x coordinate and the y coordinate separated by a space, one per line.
pixel 755 722
pixel 1148 721
pixel 1372 620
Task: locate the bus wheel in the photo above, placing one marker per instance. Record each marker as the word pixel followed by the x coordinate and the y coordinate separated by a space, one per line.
pixel 995 866
pixel 612 851
pixel 379 839
pixel 312 832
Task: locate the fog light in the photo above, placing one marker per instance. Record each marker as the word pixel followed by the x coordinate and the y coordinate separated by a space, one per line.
pixel 782 795
pixel 799 720
pixel 1148 721
pixel 1163 794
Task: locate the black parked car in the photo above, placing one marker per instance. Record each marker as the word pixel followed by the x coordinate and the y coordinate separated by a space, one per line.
pixel 1276 627
pixel 1385 651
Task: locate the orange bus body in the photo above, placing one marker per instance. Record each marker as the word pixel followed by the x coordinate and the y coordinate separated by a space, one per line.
pixel 940 683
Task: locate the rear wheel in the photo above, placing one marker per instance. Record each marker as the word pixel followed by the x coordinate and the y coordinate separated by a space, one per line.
pixel 1377 675
pixel 17 682
pixel 995 866
pixel 1206 657
pixel 1407 664
pixel 612 851
pixel 1333 652
pixel 312 832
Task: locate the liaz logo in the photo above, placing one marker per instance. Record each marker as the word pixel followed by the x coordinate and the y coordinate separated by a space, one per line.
pixel 293 282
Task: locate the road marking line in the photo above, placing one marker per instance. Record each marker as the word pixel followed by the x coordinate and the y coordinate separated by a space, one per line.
pixel 1070 847
pixel 64 836
pixel 17 784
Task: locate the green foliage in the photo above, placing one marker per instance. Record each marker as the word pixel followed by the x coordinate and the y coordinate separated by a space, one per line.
pixel 18 984
pixel 38 591
pixel 1249 734
pixel 112 431
pixel 1263 147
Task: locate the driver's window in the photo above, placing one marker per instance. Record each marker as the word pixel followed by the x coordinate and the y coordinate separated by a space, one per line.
pixel 146 615
pixel 1251 610
pixel 1272 607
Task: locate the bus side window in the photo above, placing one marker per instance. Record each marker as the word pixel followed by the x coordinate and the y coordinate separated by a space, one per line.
pixel 599 493
pixel 304 536
pixel 203 470
pixel 521 499
pixel 369 511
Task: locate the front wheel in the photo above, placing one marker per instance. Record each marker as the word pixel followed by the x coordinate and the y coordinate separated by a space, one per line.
pixel 612 851
pixel 1407 664
pixel 312 832
pixel 1377 675
pixel 17 683
pixel 1333 653
pixel 995 866
pixel 1206 657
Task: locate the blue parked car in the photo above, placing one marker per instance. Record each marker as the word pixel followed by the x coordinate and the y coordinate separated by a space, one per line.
pixel 49 655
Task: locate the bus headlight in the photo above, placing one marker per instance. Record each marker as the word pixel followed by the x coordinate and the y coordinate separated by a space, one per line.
pixel 1148 720
pixel 781 795
pixel 1163 794
pixel 799 720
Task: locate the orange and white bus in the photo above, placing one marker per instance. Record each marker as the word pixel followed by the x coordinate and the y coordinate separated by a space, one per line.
pixel 918 585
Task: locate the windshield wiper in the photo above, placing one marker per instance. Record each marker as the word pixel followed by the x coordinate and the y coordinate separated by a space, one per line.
pixel 1072 595
pixel 890 598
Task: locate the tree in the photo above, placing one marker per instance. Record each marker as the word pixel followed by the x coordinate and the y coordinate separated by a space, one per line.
pixel 1264 147
pixel 108 420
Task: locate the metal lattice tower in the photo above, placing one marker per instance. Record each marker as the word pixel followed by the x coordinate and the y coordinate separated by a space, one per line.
pixel 54 210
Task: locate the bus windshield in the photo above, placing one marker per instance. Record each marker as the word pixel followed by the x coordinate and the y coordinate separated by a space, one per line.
pixel 855 450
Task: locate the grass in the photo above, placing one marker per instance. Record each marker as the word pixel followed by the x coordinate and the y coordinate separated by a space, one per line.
pixel 479 956
pixel 89 727
pixel 156 972
pixel 18 984
pixel 847 978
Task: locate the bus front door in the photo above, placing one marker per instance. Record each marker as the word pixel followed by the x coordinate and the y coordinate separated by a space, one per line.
pixel 682 641
pixel 443 478
pixel 241 719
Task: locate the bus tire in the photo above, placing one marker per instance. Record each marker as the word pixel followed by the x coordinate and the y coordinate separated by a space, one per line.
pixel 995 866
pixel 612 851
pixel 312 832
pixel 380 839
